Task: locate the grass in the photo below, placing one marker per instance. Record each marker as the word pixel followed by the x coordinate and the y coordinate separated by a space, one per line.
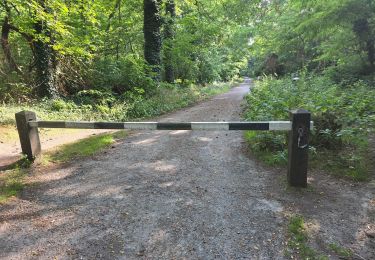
pixel 261 148
pixel 162 101
pixel 12 179
pixel 298 247
pixel 298 238
pixel 82 148
pixel 11 184
pixel 355 166
pixel 340 251
pixel 9 134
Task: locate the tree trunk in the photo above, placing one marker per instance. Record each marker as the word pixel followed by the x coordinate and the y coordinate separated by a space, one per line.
pixel 371 54
pixel 5 30
pixel 45 60
pixel 362 29
pixel 152 35
pixel 168 40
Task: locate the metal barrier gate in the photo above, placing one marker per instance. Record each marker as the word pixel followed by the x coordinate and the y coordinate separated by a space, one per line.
pixel 298 127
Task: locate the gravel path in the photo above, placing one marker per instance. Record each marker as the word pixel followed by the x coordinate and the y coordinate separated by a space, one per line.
pixel 162 195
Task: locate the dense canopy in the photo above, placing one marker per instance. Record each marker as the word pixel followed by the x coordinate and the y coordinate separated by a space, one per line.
pixel 60 47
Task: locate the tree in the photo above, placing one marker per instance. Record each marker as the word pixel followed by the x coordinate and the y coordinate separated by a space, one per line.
pixel 152 35
pixel 45 56
pixel 170 16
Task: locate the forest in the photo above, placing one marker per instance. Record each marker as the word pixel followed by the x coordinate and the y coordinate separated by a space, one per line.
pixel 100 188
pixel 126 59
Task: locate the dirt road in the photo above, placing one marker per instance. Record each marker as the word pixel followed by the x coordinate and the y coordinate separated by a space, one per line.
pixel 173 195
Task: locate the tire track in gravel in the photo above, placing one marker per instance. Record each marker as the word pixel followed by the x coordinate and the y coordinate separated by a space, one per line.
pixel 157 195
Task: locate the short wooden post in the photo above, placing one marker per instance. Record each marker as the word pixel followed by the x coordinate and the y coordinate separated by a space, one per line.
pixel 29 136
pixel 298 147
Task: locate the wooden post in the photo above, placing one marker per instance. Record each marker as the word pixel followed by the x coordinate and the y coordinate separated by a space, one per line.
pixel 298 147
pixel 29 136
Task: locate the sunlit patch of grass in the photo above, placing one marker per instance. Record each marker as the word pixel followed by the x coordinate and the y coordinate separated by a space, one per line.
pixel 12 179
pixel 215 89
pixel 8 133
pixel 340 251
pixel 82 148
pixel 297 242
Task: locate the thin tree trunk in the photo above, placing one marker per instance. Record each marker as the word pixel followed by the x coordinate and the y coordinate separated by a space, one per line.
pixel 152 35
pixel 361 28
pixel 5 30
pixel 168 40
pixel 371 54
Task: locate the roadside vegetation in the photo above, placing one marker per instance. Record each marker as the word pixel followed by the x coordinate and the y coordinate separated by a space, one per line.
pixel 298 243
pixel 310 67
pixel 116 60
pixel 95 105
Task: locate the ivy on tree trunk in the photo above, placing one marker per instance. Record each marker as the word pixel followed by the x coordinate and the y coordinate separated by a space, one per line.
pixel 152 35
pixel 45 59
pixel 168 40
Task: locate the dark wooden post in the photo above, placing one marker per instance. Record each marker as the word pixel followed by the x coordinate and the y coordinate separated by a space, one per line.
pixel 29 136
pixel 298 147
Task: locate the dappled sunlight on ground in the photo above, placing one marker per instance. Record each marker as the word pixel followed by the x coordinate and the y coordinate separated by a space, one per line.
pixel 179 132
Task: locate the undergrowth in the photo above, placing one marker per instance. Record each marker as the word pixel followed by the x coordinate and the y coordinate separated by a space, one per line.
pixel 94 105
pixel 344 117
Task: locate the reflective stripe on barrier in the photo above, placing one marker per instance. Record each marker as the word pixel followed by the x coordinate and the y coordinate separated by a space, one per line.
pixel 203 126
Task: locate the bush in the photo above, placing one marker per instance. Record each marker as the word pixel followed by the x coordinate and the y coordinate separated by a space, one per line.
pixel 120 75
pixel 343 118
pixel 13 90
pixel 97 105
pixel 94 96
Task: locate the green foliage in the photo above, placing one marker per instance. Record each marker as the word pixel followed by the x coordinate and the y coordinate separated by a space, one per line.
pixel 99 45
pixel 12 89
pixel 317 35
pixel 343 118
pixel 94 105
pixel 269 147
pixel 120 75
pixel 169 99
